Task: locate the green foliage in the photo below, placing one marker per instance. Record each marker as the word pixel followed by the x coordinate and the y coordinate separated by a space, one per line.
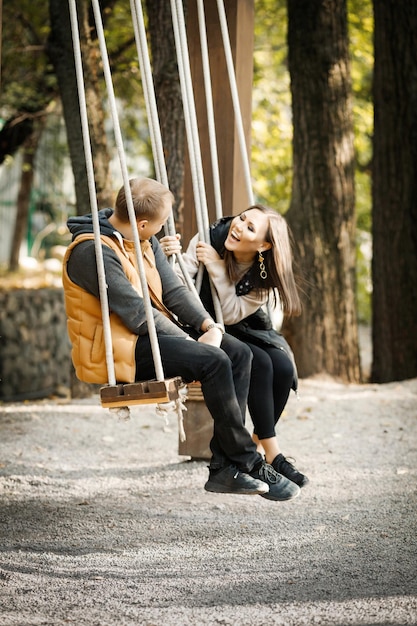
pixel 127 84
pixel 361 26
pixel 122 52
pixel 28 83
pixel 28 80
pixel 360 16
pixel 272 122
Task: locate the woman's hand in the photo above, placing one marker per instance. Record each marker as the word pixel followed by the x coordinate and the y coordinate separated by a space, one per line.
pixel 206 253
pixel 170 244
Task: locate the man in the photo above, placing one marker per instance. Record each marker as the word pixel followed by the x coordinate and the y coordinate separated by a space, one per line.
pixel 191 344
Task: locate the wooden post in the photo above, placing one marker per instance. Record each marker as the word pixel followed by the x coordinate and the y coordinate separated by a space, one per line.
pixel 240 19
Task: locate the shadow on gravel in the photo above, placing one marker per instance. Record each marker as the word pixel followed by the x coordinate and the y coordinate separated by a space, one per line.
pixel 211 557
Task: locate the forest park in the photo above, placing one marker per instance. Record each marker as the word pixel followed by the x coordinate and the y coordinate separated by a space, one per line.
pixel 332 143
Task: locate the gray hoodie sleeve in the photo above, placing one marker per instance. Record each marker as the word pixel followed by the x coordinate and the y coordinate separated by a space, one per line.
pixel 123 298
pixel 176 296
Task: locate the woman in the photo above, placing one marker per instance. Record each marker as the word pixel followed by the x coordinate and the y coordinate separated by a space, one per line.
pixel 249 261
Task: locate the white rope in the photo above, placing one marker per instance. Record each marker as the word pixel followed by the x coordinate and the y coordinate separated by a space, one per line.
pixel 148 90
pixel 177 406
pixel 195 168
pixel 190 119
pixel 210 111
pixel 131 212
pixel 93 195
pixel 153 121
pixel 193 141
pixel 235 99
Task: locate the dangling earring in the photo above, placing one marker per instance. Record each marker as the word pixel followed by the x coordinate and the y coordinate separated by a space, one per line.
pixel 262 271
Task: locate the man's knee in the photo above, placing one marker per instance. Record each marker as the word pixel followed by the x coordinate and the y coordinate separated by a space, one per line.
pixel 236 349
pixel 245 351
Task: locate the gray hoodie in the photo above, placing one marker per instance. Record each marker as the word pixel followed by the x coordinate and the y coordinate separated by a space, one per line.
pixel 123 298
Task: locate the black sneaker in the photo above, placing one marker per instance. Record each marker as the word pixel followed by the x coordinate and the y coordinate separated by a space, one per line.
pixel 231 480
pixel 287 469
pixel 280 488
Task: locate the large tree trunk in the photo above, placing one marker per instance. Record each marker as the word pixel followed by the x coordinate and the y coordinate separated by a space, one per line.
pixel 325 337
pixel 23 199
pixel 394 195
pixel 60 50
pixel 168 96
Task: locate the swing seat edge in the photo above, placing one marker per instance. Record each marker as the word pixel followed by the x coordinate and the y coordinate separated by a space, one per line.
pixel 142 392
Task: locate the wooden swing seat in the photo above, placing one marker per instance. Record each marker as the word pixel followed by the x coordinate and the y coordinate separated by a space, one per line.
pixel 143 392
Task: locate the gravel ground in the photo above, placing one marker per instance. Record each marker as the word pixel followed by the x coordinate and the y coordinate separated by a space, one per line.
pixel 103 524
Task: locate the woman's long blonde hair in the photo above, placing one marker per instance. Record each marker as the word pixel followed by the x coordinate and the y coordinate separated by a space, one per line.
pixel 278 262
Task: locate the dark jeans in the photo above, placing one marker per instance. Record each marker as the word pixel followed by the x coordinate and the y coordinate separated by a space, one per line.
pixel 224 375
pixel 270 385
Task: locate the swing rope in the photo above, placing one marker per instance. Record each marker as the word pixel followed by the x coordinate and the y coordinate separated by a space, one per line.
pixel 92 193
pixel 210 109
pixel 160 166
pixel 153 120
pixel 129 201
pixel 190 120
pixel 193 140
pixel 117 397
pixel 148 90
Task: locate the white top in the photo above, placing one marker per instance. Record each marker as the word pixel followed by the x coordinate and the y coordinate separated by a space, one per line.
pixel 234 308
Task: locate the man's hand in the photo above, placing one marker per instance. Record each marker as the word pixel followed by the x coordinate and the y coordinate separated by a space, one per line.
pixel 212 337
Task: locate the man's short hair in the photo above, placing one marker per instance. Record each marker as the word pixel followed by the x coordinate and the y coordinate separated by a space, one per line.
pixel 147 197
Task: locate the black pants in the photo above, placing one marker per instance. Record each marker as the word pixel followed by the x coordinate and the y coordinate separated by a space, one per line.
pixel 270 385
pixel 224 375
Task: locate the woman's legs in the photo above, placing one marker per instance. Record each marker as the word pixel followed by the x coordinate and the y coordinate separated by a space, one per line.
pixel 268 447
pixel 271 381
pixel 270 385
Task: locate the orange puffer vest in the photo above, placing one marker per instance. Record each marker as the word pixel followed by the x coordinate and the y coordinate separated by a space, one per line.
pixel 84 318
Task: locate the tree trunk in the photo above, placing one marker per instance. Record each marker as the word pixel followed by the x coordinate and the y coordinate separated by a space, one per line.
pixel 321 216
pixel 60 51
pixel 168 96
pixel 394 194
pixel 23 199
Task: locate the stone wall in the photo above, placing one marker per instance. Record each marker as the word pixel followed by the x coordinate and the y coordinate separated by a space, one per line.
pixel 35 359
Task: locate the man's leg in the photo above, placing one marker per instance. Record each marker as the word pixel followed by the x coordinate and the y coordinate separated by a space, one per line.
pixel 245 473
pixel 241 359
pixel 232 443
